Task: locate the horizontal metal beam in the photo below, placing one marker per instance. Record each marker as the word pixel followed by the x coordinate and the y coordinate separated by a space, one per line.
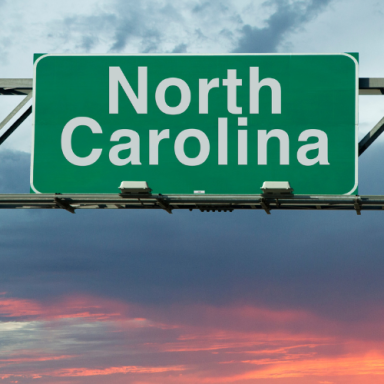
pixel 15 86
pixel 16 83
pixel 371 86
pixel 205 203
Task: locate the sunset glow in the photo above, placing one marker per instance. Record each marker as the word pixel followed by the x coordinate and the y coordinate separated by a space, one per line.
pixel 214 345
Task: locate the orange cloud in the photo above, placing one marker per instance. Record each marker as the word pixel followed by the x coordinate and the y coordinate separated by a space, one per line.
pixel 35 359
pixel 85 372
pixel 68 308
pixel 80 372
pixel 209 345
pixel 370 364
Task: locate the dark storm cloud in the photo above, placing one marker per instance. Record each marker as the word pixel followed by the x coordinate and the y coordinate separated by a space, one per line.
pixel 327 262
pixel 288 17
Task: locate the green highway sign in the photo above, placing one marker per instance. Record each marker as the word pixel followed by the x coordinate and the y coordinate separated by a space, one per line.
pixel 185 124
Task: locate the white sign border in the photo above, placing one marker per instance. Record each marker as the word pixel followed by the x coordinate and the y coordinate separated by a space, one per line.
pixel 203 54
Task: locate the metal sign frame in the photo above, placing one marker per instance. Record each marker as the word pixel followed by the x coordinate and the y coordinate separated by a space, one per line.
pixel 212 203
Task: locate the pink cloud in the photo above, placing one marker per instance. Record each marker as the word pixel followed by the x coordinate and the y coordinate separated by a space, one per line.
pixel 233 344
pixel 76 372
pixel 19 308
pixel 67 308
pixel 36 359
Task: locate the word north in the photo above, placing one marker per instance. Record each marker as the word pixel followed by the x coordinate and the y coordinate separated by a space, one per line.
pixel 139 101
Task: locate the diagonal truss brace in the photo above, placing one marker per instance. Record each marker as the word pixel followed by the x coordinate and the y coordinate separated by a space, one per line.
pixel 371 86
pixel 15 111
pixel 15 125
pixel 17 87
pixel 371 136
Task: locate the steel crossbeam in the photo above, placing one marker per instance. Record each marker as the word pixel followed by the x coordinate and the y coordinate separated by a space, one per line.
pixel 371 86
pixel 15 86
pixel 209 203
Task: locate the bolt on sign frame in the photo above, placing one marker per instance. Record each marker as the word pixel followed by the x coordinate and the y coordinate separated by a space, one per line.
pixel 169 202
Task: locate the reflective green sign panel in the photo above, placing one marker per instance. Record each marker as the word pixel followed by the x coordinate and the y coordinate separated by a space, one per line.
pixel 185 124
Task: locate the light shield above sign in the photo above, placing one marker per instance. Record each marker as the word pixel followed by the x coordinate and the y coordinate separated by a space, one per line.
pixel 222 124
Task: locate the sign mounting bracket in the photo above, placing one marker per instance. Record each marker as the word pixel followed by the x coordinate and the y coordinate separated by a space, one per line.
pixel 358 206
pixel 164 205
pixel 264 204
pixel 64 205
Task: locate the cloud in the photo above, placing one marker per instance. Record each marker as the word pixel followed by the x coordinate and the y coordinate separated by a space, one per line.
pixel 119 24
pixel 181 48
pixel 68 308
pixel 14 172
pixel 76 372
pixel 153 26
pixel 288 17
pixel 188 345
pixel 148 26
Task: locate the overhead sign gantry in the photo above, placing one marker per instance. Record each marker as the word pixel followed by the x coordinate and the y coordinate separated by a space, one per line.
pixel 194 132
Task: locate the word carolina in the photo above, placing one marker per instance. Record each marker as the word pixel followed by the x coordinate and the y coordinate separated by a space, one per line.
pixel 139 102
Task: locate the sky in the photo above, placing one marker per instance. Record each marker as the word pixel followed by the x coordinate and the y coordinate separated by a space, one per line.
pixel 151 298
